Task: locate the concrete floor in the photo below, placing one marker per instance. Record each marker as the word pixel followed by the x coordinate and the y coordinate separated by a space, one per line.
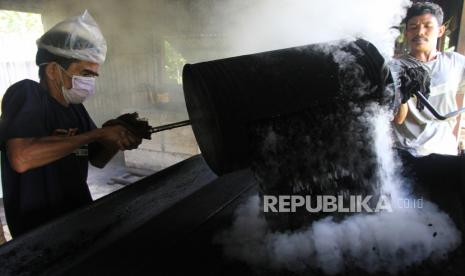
pixel 101 182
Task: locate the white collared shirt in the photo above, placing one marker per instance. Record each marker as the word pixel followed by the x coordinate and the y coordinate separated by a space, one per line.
pixel 421 133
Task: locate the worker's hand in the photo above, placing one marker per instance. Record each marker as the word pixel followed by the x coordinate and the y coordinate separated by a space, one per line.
pixel 131 121
pixel 117 136
pixel 407 87
pixel 414 79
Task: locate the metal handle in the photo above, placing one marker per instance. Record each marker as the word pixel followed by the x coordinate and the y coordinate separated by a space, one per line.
pixel 170 126
pixel 434 111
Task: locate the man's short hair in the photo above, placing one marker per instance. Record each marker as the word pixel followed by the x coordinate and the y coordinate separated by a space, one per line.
pixel 43 57
pixel 421 8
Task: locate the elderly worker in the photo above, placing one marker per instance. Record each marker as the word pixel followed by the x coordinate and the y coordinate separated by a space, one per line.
pixel 47 137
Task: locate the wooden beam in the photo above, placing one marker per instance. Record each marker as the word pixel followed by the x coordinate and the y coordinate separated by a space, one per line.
pixel 461 38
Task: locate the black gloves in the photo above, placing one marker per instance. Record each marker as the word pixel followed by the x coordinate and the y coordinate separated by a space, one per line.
pixel 132 122
pixel 414 79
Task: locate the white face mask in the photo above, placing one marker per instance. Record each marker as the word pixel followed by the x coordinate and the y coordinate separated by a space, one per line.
pixel 81 89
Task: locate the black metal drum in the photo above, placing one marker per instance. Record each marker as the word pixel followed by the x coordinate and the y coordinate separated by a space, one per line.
pixel 225 97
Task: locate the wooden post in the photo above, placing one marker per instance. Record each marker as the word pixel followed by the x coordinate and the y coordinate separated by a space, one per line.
pixel 461 38
pixel 461 49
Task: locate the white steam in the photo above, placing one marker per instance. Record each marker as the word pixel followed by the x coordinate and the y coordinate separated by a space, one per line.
pixel 385 241
pixel 263 25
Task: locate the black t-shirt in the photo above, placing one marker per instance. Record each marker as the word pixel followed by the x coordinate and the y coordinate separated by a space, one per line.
pixel 38 195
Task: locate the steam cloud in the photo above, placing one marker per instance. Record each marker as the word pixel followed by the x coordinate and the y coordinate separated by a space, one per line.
pixel 264 25
pixel 386 241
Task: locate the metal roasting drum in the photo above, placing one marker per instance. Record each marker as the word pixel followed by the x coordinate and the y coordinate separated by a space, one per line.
pixel 225 98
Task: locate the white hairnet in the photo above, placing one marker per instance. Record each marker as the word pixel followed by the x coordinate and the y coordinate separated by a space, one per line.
pixel 78 37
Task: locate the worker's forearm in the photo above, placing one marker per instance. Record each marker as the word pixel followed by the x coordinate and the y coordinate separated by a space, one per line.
pixel 29 153
pixel 456 131
pixel 399 118
pixel 459 100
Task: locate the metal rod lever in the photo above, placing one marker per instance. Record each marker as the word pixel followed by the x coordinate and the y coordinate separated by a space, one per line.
pixel 170 126
pixel 434 111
